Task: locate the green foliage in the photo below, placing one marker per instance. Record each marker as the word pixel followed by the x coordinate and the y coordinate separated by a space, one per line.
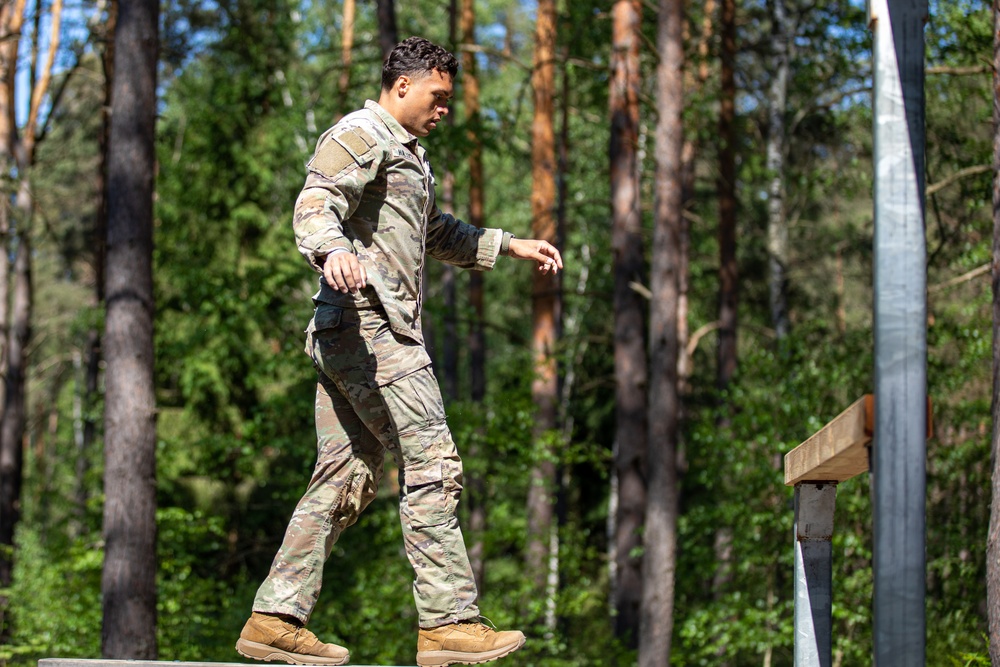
pixel 59 590
pixel 247 88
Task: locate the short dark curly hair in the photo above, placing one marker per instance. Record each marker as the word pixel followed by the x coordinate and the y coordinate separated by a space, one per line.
pixel 414 57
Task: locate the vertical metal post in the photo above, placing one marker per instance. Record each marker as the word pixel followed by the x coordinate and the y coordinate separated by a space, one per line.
pixel 814 505
pixel 898 460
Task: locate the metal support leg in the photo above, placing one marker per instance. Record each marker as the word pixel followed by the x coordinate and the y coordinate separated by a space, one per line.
pixel 814 505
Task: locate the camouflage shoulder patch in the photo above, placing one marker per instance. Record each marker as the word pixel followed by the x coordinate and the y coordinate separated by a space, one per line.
pixel 357 140
pixel 341 151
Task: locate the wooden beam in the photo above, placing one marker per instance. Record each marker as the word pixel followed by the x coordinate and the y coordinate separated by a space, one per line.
pixel 836 452
pixel 839 450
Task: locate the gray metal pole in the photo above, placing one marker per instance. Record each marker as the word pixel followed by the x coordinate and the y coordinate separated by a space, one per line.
pixel 898 459
pixel 814 505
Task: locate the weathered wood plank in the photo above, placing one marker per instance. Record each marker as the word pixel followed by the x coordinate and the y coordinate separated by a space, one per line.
pixel 836 452
pixel 86 662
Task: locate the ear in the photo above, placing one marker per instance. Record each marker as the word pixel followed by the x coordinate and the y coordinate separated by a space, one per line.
pixel 403 85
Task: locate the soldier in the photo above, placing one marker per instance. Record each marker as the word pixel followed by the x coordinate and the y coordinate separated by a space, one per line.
pixel 365 221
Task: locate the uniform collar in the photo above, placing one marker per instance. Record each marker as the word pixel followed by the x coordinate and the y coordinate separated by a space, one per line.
pixel 401 134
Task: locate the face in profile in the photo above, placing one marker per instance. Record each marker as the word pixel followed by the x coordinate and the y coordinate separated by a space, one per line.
pixel 424 101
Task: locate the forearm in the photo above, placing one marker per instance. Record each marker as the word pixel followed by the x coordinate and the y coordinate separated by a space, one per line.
pixel 458 243
pixel 317 225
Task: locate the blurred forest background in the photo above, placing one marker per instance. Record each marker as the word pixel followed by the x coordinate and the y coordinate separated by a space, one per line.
pixel 775 320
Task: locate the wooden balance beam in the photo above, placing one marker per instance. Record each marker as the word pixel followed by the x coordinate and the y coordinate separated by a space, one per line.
pixel 839 450
pixel 836 452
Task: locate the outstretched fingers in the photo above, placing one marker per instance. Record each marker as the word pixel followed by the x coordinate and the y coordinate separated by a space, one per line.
pixel 543 252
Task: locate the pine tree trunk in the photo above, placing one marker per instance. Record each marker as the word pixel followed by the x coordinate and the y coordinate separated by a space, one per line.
pixel 660 536
pixel 388 34
pixel 545 299
pixel 11 459
pixel 777 224
pixel 993 536
pixel 128 585
pixel 99 239
pixel 19 148
pixel 470 85
pixel 446 359
pixel 728 270
pixel 689 154
pixel 346 51
pixel 477 332
pixel 630 350
pixel 12 425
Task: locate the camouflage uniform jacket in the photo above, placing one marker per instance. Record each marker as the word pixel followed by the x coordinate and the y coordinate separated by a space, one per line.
pixel 370 190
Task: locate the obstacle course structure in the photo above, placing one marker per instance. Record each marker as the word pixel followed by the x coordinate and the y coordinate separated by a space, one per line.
pixel 899 428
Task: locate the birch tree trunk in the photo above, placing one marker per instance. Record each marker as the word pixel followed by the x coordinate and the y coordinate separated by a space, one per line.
pixel 660 536
pixel 128 584
pixel 630 350
pixel 545 306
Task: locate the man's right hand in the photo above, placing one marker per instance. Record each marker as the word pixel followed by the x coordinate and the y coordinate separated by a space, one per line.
pixel 344 272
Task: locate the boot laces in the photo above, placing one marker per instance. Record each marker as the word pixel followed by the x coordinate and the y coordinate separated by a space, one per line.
pixel 304 637
pixel 479 628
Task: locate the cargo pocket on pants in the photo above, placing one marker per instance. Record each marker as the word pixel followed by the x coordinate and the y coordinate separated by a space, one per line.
pixel 427 504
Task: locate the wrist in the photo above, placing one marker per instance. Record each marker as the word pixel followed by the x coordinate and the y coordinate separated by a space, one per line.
pixel 505 243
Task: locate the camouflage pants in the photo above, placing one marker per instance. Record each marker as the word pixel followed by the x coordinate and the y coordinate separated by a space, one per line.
pixel 376 393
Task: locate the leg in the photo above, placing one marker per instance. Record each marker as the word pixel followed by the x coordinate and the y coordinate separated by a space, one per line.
pixel 345 480
pixel 431 482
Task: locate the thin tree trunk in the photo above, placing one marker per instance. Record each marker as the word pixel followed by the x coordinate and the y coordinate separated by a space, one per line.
pixel 128 585
pixel 689 154
pixel 388 34
pixel 346 52
pixel 93 343
pixel 660 536
pixel 630 350
pixel 12 425
pixel 19 150
pixel 777 224
pixel 993 535
pixel 545 304
pixel 470 98
pixel 11 460
pixel 728 271
pixel 449 352
pixel 477 330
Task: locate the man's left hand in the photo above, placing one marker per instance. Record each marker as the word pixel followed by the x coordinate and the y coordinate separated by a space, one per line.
pixel 543 252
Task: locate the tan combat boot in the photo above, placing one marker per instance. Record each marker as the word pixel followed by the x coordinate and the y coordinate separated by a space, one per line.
pixel 269 638
pixel 468 643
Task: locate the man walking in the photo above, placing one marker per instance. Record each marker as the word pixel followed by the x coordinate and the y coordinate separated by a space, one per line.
pixel 365 220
